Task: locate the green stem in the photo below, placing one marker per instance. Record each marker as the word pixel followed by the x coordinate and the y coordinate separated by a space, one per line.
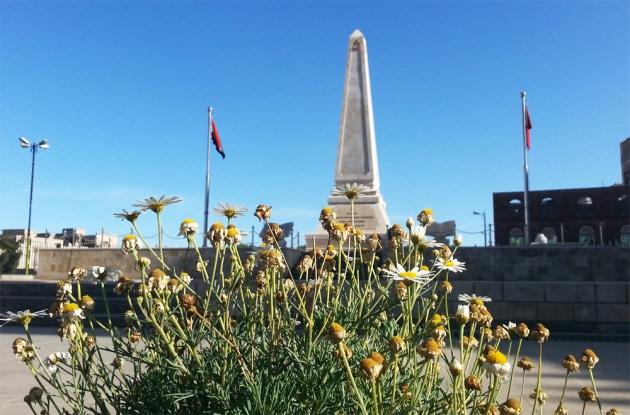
pixel 344 358
pixel 599 404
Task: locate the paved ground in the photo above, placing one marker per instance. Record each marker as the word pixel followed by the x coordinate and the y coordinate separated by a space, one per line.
pixel 612 373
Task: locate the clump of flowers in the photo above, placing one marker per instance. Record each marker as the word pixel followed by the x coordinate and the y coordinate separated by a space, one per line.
pixel 359 325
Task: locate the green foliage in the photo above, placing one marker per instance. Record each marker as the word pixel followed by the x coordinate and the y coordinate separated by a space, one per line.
pixel 9 256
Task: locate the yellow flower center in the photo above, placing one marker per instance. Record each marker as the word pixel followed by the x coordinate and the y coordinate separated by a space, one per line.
pixel 188 221
pixel 427 211
pixel 496 357
pixel 407 275
pixel 477 301
pixel 129 237
pixel 449 263
pixel 424 268
pixel 70 307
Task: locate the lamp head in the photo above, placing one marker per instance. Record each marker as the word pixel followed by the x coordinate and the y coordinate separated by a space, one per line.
pixel 43 144
pixel 24 143
pixel 476 213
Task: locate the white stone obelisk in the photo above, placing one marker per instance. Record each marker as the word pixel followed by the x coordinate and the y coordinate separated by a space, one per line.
pixel 357 161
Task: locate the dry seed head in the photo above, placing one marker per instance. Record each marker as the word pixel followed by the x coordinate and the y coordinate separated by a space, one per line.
pixel 589 359
pixel 561 410
pixel 570 363
pixel 613 411
pixel 429 349
pixel 134 336
pixel 263 212
pixel 540 333
pixel 501 333
pixel 446 287
pixel 586 394
pixel 347 351
pixel 473 383
pixel 456 368
pixel 525 363
pixel 397 345
pixel 87 303
pixel 35 394
pixel 370 368
pixel 522 330
pixel 336 333
pixel 510 407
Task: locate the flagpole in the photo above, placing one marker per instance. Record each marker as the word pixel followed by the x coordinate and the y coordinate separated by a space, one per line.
pixel 207 200
pixel 525 169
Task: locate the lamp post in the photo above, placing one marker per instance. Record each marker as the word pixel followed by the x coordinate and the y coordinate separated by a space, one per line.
pixel 24 143
pixel 485 240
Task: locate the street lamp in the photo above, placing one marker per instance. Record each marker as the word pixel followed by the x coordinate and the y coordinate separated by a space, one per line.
pixel 24 143
pixel 485 240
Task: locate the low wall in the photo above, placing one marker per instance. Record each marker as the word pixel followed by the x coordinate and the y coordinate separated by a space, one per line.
pixel 579 290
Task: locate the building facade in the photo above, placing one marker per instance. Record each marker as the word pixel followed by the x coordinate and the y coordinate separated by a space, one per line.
pixel 587 216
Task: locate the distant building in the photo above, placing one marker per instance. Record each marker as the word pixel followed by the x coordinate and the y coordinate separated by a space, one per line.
pixel 588 216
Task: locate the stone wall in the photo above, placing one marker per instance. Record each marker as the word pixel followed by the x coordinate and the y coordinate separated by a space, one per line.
pixel 583 290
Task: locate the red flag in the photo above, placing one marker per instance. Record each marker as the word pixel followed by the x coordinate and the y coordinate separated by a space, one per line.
pixel 528 127
pixel 216 139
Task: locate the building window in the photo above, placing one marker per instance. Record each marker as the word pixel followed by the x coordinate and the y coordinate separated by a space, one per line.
pixel 585 206
pixel 516 208
pixel 624 235
pixel 516 236
pixel 623 205
pixel 586 235
pixel 547 207
pixel 550 234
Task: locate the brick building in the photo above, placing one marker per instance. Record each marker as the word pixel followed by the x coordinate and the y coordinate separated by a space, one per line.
pixel 588 216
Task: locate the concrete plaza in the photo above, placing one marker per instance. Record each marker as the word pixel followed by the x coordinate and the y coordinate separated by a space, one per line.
pixel 612 373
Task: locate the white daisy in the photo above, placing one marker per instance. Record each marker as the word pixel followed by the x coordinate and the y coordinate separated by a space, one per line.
pixel 54 359
pixel 23 317
pixel 471 298
pixel 450 264
pixel 350 190
pixel 229 210
pixel 414 275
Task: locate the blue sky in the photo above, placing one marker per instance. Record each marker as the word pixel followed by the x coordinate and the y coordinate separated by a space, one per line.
pixel 121 90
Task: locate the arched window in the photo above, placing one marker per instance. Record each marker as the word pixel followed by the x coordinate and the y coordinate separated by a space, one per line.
pixel 586 235
pixel 585 205
pixel 516 236
pixel 547 206
pixel 516 207
pixel 624 235
pixel 550 234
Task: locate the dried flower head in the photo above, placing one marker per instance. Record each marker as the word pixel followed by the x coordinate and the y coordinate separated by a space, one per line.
pixel 157 205
pixel 134 336
pixel 510 407
pixel 216 234
pixel 327 215
pixel 540 333
pixel 130 243
pixel 429 349
pixel 77 274
pixel 561 410
pixel 123 285
pixel 263 212
pixel 456 368
pixel 501 333
pixel 470 342
pixel 370 368
pixel 473 383
pixel 343 348
pixel 613 411
pixel 570 363
pixel 35 394
pixel 525 363
pixel 336 333
pixel 522 330
pixel 541 396
pixel 426 216
pixel 118 362
pixel 23 349
pixel 87 303
pixel 446 287
pixel 273 234
pixel 374 242
pixel 397 345
pixel 586 394
pixel 589 359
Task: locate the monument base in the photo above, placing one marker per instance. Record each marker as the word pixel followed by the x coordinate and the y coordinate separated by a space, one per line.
pixel 369 216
